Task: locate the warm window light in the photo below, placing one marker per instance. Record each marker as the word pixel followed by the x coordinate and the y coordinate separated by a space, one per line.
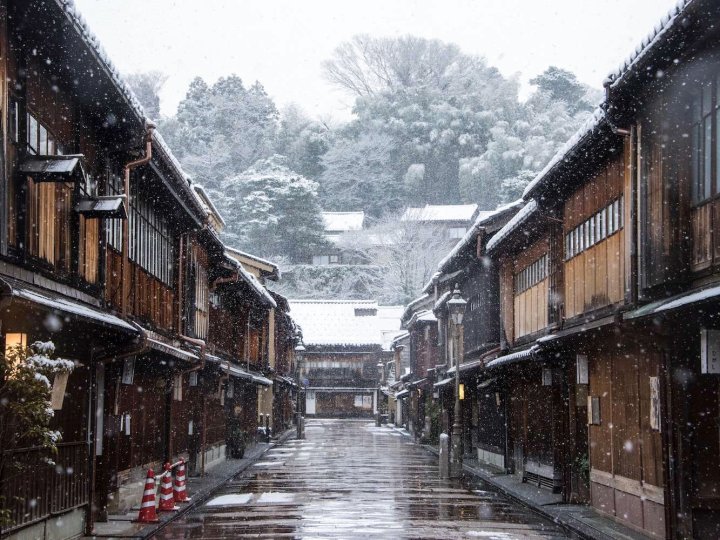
pixel 12 340
pixel 461 391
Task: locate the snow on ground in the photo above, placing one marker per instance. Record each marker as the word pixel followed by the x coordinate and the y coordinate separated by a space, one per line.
pixel 230 500
pixel 276 497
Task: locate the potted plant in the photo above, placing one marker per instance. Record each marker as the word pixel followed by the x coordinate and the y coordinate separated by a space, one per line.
pixel 236 442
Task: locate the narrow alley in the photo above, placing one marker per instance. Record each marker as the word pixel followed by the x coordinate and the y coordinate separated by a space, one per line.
pixel 350 479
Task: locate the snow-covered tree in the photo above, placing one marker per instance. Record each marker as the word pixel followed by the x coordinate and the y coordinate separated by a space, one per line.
pixel 26 380
pixel 146 86
pixel 407 253
pixel 272 210
pixel 360 172
pixel 220 130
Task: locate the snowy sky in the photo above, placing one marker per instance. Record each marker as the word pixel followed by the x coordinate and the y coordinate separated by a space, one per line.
pixel 282 43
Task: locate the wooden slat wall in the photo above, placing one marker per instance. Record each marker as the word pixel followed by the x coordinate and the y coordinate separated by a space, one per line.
pixel 706 241
pixel 89 256
pixel 507 299
pixel 624 444
pixel 150 299
pixel 530 307
pixel 531 310
pixel 596 277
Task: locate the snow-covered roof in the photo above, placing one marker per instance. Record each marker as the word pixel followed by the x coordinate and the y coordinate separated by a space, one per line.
pixel 338 322
pixel 471 233
pixel 207 203
pixel 235 253
pixel 670 20
pixel 90 39
pixel 648 44
pixel 516 221
pixel 389 323
pixel 343 221
pixel 419 301
pixel 251 280
pixel 443 212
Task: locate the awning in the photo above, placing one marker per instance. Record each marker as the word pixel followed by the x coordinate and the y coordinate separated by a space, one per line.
pixel 442 383
pixel 527 354
pixel 111 207
pixel 24 292
pixel 402 394
pixel 467 366
pixel 684 300
pixel 237 372
pixel 285 380
pixel 171 350
pixel 53 168
pixel 415 384
pixel 486 383
pixel 262 381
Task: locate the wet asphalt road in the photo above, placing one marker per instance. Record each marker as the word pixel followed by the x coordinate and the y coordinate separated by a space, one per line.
pixel 350 479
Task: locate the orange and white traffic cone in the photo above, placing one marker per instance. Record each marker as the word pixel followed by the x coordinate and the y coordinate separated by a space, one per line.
pixel 167 501
pixel 179 489
pixel 147 506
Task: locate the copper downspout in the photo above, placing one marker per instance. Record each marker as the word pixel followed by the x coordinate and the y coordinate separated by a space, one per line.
pixel 125 270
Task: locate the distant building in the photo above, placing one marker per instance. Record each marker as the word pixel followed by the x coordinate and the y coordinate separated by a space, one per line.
pixel 336 224
pixel 345 340
pixel 452 219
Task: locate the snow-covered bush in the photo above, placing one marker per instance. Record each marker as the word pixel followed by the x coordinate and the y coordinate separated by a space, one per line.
pixel 26 381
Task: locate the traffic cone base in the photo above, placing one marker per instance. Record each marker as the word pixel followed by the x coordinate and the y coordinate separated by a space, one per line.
pixel 147 512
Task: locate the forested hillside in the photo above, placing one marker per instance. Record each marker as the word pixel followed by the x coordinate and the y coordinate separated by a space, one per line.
pixel 430 124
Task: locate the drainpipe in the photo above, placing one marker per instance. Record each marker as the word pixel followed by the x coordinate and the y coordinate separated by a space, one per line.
pixel 203 441
pixel 125 271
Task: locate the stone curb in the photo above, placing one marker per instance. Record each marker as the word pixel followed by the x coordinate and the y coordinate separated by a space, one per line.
pixel 573 526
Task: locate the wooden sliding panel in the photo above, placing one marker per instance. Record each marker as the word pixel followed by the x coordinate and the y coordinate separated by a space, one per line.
pixel 593 232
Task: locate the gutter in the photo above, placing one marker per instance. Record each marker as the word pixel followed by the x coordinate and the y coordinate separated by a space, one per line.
pixel 125 269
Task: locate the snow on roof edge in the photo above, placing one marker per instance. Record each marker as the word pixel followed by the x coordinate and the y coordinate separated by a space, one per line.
pixel 517 220
pixel 591 124
pixel 649 42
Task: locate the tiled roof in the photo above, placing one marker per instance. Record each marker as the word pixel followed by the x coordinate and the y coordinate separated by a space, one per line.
pixel 73 14
pixel 434 212
pixel 340 322
pixel 472 233
pixel 517 220
pixel 649 42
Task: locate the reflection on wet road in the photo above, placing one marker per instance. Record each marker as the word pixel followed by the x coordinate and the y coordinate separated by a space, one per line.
pixel 349 479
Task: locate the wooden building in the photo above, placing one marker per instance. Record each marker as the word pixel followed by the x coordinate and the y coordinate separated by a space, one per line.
pixel 344 345
pixel 605 363
pixel 108 250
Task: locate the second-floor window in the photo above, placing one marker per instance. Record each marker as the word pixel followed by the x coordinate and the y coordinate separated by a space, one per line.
pixel 705 126
pixel 48 203
pixel 595 229
pixel 531 275
pixel 151 243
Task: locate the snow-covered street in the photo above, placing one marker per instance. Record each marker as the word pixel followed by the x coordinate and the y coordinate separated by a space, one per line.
pixel 350 479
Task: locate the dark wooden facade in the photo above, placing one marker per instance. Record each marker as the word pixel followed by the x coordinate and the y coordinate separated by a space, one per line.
pixel 598 373
pixel 140 330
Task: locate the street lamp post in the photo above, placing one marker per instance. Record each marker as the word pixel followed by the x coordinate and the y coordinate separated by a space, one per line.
pixel 456 308
pixel 378 419
pixel 299 350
